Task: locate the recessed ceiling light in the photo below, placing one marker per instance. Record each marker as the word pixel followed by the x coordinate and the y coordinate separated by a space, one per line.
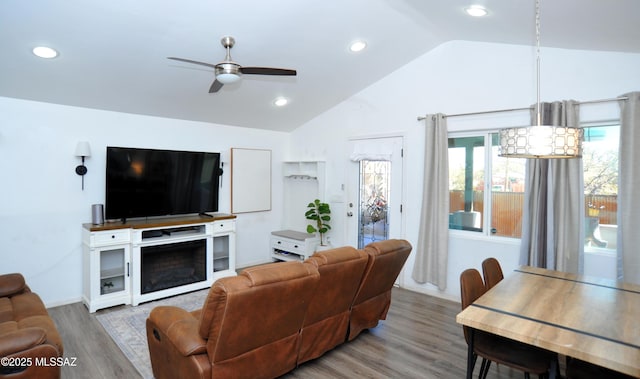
pixel 357 46
pixel 280 102
pixel 476 10
pixel 45 52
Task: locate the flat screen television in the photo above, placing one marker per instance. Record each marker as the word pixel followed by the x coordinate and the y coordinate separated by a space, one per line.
pixel 150 182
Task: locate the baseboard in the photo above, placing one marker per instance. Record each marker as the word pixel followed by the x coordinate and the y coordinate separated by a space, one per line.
pixel 60 303
pixel 251 264
pixel 430 292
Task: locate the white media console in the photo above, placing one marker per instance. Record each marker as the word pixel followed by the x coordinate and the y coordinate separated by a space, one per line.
pixel 144 260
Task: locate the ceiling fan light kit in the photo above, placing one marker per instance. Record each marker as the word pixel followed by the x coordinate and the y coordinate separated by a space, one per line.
pixel 227 78
pixel 541 141
pixel 228 71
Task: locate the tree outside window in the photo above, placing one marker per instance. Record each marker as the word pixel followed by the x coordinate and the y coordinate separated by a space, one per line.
pixel 600 160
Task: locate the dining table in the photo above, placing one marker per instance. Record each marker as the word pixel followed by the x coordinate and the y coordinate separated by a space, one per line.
pixel 592 319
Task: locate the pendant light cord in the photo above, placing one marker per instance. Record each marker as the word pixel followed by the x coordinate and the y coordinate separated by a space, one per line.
pixel 539 117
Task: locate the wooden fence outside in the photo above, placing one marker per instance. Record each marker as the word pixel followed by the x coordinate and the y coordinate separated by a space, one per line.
pixel 507 209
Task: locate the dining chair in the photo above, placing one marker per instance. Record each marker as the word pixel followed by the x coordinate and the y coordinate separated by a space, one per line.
pixel 494 348
pixel 578 369
pixel 492 272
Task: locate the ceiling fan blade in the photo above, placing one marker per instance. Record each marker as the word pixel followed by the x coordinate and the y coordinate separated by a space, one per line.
pixel 267 71
pixel 215 86
pixel 194 62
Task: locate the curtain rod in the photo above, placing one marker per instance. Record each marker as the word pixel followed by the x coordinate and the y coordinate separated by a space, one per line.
pixel 420 118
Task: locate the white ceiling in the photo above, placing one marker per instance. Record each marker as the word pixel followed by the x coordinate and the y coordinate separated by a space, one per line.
pixel 113 52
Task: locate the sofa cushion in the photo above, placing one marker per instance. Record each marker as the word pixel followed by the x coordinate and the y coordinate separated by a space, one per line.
pixel 8 327
pixel 180 327
pixel 6 309
pixel 21 339
pixel 26 310
pixel 46 323
pixel 27 305
pixel 250 278
pixel 26 330
pixel 250 322
pixel 265 274
pixel 386 259
pixel 341 271
pixel 11 284
pixel 327 320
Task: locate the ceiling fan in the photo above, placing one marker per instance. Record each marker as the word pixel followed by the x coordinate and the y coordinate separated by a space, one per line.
pixel 229 71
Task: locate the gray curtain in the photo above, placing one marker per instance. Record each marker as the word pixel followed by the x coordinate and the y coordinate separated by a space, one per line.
pixel 553 216
pixel 432 250
pixel 628 187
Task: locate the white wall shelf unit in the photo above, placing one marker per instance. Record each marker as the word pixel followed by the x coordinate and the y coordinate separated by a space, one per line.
pixel 304 170
pixel 303 182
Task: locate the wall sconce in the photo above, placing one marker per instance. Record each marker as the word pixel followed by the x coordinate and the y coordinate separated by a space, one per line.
pixel 82 150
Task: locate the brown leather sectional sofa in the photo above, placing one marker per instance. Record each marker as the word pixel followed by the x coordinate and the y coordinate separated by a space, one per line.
pixel 271 318
pixel 29 340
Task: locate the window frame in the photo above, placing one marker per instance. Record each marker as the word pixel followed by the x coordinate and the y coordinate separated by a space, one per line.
pixel 486 234
pixel 606 251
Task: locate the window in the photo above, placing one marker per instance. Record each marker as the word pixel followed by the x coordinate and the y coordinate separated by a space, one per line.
pixel 466 178
pixel 600 160
pixel 476 197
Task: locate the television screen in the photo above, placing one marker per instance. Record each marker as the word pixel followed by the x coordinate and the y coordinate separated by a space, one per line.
pixel 149 182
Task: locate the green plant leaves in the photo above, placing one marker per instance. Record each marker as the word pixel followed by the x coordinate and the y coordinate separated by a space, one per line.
pixel 319 213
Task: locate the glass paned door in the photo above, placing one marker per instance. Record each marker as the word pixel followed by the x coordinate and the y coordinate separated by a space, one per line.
pixel 373 220
pixel 375 191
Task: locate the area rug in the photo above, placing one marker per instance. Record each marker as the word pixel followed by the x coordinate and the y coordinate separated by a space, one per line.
pixel 126 326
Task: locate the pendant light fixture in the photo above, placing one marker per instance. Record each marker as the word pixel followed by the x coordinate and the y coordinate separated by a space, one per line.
pixel 541 141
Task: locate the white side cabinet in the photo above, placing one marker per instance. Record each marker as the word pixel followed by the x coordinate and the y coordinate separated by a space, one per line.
pixel 224 247
pixel 106 262
pixel 289 245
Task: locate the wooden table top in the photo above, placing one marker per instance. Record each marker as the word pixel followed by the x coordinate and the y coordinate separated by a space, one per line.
pixel 595 320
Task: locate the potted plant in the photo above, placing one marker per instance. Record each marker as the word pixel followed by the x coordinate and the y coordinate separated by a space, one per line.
pixel 320 214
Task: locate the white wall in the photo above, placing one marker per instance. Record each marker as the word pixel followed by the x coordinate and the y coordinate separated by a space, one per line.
pixel 43 206
pixel 459 77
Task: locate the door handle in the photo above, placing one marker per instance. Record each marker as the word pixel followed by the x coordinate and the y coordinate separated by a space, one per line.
pixel 349 214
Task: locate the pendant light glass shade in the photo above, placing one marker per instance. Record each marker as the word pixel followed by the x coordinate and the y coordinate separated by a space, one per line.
pixel 541 141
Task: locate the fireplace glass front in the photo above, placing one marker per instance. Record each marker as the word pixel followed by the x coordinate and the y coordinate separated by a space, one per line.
pixel 173 265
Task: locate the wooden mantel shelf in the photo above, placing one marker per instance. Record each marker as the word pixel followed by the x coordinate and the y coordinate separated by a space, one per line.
pixel 158 222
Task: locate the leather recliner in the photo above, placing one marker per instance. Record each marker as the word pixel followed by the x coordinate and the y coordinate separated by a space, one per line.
pixel 248 327
pixel 28 335
pixel 386 259
pixel 270 318
pixel 327 320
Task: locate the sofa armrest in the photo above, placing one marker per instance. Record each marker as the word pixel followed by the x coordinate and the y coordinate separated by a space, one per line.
pixel 180 327
pixel 11 284
pixel 20 340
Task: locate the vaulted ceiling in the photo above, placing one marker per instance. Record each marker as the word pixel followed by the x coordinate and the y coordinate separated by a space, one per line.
pixel 113 54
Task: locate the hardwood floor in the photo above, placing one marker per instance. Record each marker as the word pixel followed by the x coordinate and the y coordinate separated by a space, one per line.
pixel 84 338
pixel 419 339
